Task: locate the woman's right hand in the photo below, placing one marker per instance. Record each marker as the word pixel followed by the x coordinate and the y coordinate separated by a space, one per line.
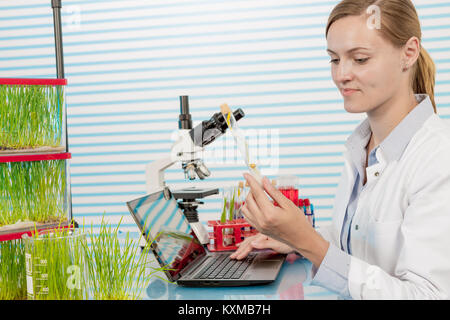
pixel 259 241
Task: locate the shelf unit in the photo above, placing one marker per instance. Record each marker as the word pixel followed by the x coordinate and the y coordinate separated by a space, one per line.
pixel 60 152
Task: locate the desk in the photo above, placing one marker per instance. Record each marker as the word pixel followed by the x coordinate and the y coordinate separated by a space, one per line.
pixel 291 284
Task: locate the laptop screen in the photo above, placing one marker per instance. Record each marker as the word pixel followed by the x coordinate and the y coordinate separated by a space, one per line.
pixel 161 219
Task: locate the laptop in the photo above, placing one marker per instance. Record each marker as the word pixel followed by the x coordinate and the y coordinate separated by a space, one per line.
pixel 177 248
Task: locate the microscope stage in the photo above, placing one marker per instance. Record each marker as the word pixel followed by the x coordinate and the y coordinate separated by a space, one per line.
pixel 194 193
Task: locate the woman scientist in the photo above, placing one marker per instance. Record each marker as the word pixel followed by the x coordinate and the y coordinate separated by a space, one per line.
pixel 390 233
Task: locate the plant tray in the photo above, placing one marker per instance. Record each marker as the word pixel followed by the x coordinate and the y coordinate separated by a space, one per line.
pixel 37 150
pixel 15 231
pixel 34 188
pixel 32 115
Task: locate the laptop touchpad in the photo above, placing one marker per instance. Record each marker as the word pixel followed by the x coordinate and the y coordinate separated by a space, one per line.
pixel 267 264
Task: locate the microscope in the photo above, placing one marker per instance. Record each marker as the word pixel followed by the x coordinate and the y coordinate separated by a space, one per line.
pixel 187 150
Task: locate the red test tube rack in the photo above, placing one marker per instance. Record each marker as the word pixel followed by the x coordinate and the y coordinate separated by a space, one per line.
pixel 226 241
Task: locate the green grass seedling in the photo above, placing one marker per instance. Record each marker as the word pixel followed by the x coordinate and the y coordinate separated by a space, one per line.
pixel 32 191
pixel 223 217
pixel 117 268
pixel 55 264
pixel 231 212
pixel 12 271
pixel 31 116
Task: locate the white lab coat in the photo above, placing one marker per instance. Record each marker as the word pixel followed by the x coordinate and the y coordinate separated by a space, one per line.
pixel 400 235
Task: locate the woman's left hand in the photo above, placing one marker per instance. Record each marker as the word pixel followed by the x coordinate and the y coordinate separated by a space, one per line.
pixel 286 223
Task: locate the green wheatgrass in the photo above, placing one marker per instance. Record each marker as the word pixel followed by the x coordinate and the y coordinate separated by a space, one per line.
pixel 231 212
pixel 223 216
pixel 12 271
pixel 117 267
pixel 31 116
pixel 228 207
pixel 62 264
pixel 55 262
pixel 33 191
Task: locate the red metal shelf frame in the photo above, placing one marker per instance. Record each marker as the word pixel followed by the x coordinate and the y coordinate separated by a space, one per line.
pixel 33 82
pixel 15 235
pixel 35 157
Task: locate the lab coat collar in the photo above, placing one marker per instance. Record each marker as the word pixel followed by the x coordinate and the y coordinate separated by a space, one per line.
pixel 396 142
pixel 356 144
pixel 393 146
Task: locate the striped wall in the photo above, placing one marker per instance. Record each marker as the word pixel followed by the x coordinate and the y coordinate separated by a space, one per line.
pixel 127 63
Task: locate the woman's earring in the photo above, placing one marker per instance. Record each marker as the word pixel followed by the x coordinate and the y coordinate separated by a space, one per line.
pixel 405 66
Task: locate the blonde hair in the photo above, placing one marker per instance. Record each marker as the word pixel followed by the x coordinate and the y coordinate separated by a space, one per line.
pixel 399 22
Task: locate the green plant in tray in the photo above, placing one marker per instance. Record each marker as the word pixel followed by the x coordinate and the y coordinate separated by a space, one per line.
pixel 32 191
pixel 12 271
pixel 31 116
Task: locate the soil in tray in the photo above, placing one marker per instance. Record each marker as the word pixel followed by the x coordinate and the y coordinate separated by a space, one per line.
pixel 30 224
pixel 4 150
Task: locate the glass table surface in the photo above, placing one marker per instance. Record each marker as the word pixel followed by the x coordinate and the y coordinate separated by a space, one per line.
pixel 292 283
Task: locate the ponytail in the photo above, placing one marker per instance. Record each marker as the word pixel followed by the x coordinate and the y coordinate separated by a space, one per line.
pixel 424 76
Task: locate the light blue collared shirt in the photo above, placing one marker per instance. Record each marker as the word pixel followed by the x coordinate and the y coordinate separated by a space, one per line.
pixel 333 271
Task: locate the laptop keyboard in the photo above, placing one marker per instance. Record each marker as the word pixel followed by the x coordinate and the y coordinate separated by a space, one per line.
pixel 222 267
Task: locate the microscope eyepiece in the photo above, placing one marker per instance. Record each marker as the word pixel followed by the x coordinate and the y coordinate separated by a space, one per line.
pixel 210 130
pixel 185 119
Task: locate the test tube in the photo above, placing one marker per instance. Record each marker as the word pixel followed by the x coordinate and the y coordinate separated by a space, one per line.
pixel 240 200
pixel 227 232
pixel 308 212
pixel 223 216
pixel 287 184
pixel 241 142
pixel 300 205
pixel 246 191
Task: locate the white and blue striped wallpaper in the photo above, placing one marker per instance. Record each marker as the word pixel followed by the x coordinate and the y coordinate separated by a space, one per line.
pixel 127 63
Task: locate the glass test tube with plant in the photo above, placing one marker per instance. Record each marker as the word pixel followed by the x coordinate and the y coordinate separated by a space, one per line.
pixel 228 213
pixel 240 200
